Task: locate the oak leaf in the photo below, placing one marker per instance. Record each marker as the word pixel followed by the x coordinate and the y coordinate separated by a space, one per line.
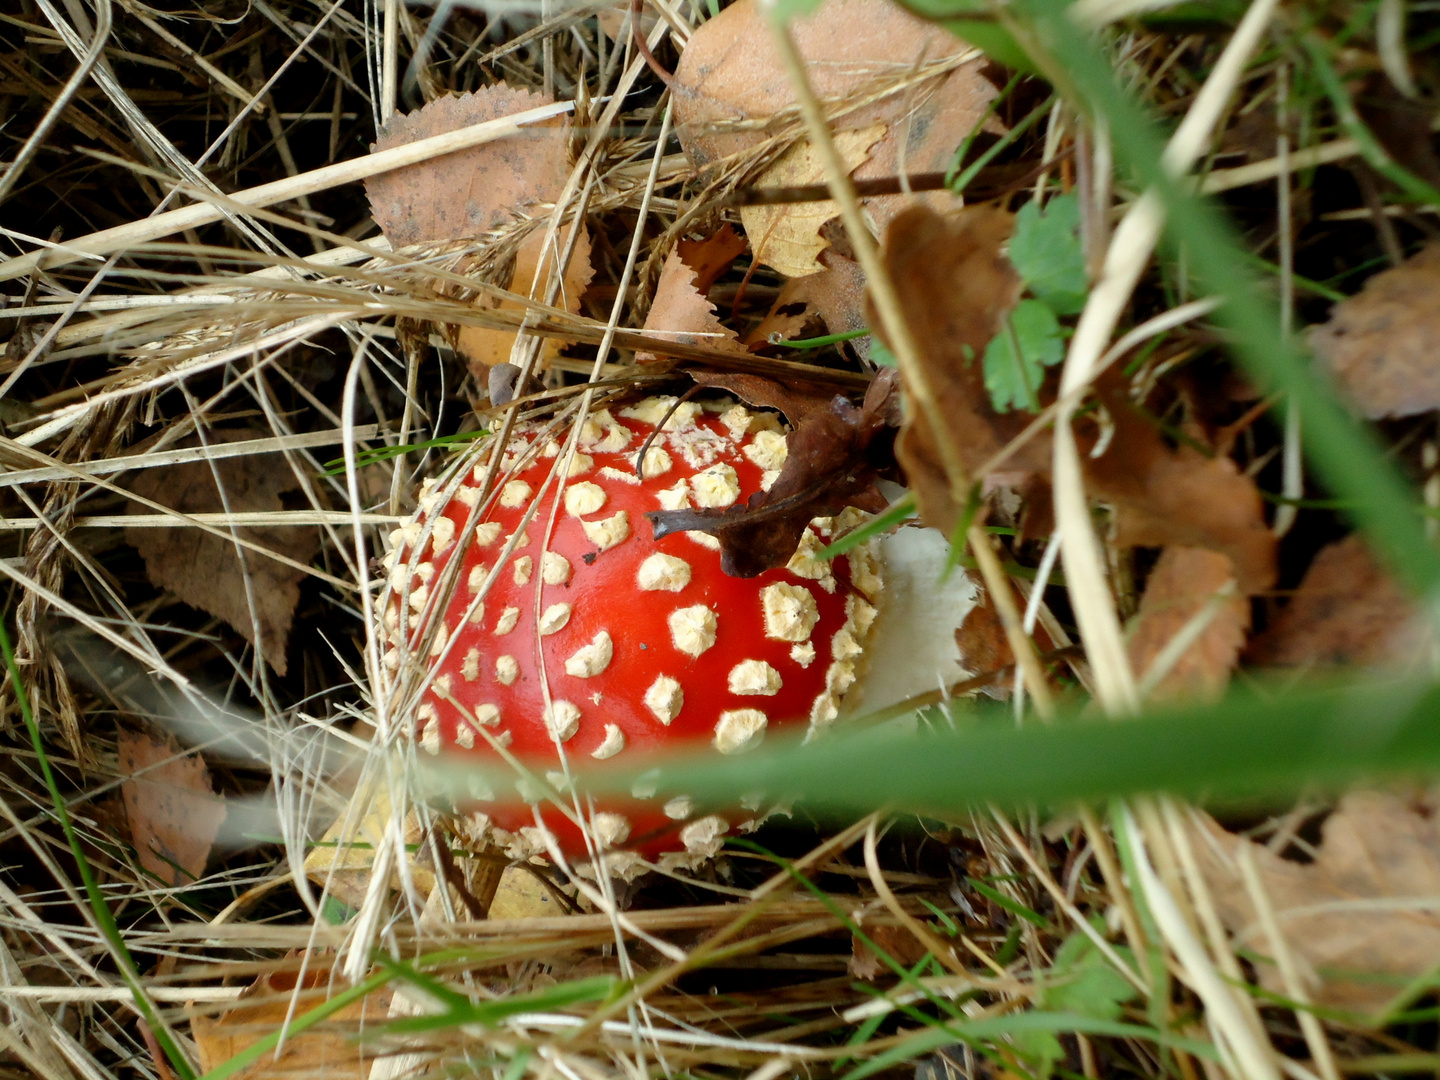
pixel 1360 919
pixel 210 572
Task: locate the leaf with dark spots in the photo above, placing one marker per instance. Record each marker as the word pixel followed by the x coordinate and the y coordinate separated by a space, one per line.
pixel 835 456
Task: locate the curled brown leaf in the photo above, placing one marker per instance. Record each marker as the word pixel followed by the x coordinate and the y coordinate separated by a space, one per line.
pixel 835 456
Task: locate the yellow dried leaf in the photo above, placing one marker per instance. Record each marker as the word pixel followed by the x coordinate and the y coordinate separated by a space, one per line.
pixel 346 852
pixel 787 237
pixel 520 895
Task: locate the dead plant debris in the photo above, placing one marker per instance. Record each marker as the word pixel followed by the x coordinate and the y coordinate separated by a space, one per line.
pixel 802 946
pixel 1190 591
pixel 235 581
pixel 171 807
pixel 470 193
pixel 1347 613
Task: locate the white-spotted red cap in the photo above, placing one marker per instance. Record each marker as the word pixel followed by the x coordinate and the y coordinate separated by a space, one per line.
pixel 609 643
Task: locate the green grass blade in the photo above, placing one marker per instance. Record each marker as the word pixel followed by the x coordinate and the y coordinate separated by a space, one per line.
pixel 336 466
pixel 1014 907
pixel 463 1011
pixel 1246 748
pixel 902 509
pixel 256 1050
pixel 994 1028
pixel 1370 149
pixel 99 906
pixel 821 342
pixel 961 182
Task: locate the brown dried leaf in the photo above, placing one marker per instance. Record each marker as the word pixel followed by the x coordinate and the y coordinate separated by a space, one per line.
pixel 956 287
pixel 1380 344
pixel 1344 916
pixel 1347 612
pixel 937 118
pixel 835 457
pixel 483 347
pixel 329 1049
pixel 835 296
pixel 1179 496
pixel 712 256
pixel 470 192
pixel 898 943
pixel 1184 582
pixel 205 570
pixel 981 638
pixel 681 312
pixel 787 236
pixel 730 72
pixel 173 812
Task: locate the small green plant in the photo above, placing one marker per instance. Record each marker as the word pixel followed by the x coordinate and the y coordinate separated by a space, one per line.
pixel 1081 983
pixel 1045 251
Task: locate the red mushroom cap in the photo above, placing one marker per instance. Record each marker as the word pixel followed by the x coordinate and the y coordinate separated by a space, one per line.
pixel 602 641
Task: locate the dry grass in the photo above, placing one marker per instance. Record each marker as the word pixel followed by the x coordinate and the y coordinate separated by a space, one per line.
pixel 201 259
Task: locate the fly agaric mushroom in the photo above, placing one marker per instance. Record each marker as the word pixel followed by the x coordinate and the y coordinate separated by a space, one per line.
pixel 594 639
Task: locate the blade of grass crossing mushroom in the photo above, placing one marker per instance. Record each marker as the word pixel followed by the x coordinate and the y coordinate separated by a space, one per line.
pixel 901 510
pixel 902 342
pixel 99 906
pixel 1345 456
pixel 1250 747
